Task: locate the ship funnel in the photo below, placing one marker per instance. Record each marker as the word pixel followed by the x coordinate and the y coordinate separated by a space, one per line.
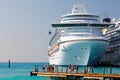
pixel 106 20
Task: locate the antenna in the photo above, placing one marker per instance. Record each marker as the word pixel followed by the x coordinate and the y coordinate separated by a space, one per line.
pixel 79 8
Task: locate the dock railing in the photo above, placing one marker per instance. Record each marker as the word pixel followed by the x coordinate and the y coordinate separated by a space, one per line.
pixel 77 69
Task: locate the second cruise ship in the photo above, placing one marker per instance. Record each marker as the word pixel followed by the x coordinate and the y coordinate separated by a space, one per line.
pixel 78 38
pixel 113 36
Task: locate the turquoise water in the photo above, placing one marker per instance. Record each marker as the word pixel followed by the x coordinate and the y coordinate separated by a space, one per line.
pixel 21 71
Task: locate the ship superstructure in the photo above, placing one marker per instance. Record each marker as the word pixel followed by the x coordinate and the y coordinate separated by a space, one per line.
pixel 113 36
pixel 78 38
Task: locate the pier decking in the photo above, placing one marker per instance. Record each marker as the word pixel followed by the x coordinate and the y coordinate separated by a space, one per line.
pixel 79 75
pixel 66 75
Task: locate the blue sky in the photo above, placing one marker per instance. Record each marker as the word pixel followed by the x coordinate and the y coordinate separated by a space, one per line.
pixel 24 25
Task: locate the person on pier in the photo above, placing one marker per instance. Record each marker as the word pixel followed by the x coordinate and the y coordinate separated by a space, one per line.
pixel 43 68
pixel 70 68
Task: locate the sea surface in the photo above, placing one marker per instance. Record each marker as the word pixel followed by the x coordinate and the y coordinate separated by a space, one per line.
pixel 21 71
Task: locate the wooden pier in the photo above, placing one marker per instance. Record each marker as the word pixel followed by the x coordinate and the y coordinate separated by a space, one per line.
pixel 78 75
pixel 66 75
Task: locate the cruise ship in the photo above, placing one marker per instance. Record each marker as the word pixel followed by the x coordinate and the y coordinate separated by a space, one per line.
pixel 78 38
pixel 113 36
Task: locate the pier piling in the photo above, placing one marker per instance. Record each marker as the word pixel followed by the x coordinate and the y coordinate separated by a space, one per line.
pixel 103 70
pixel 9 63
pixel 36 68
pixel 110 70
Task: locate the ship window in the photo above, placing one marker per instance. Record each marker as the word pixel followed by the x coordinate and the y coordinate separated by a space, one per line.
pixel 81 34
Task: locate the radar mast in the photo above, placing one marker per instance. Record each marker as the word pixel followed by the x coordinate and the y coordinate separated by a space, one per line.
pixel 79 8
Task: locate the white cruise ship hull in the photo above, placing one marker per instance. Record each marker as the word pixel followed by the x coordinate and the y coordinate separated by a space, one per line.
pixel 80 52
